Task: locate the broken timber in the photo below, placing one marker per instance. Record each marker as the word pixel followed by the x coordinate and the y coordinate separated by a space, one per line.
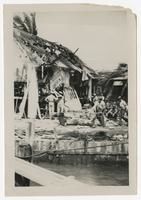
pixel 42 176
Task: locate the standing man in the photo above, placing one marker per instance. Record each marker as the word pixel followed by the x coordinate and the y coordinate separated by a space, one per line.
pixel 100 107
pixel 60 105
pixel 60 109
pixel 98 112
pixel 51 100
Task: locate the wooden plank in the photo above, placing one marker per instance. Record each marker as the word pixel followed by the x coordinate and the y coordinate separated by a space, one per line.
pixel 35 173
pixel 18 97
pixel 42 176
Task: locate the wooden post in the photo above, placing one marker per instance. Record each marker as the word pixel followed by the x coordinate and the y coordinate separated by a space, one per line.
pixel 85 144
pixel 24 151
pixel 90 89
pixel 31 128
pixel 42 69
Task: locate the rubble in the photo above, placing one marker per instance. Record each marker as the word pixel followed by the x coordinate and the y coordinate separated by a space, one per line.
pixel 48 128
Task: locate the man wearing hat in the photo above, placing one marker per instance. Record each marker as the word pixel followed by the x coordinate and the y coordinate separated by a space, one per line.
pixel 100 107
pixel 51 100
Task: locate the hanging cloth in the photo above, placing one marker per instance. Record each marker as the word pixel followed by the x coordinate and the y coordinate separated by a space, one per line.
pixel 84 75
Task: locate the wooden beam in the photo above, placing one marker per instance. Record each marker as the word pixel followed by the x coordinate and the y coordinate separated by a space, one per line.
pixel 43 176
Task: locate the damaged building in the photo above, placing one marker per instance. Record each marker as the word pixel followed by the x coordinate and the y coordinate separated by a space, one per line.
pixel 47 66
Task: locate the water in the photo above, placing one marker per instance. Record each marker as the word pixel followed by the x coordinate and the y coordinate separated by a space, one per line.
pixel 98 174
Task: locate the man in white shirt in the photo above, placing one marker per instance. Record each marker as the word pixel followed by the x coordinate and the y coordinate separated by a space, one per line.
pixel 100 107
pixel 123 109
pixel 51 100
pixel 123 104
pixel 60 105
pixel 98 111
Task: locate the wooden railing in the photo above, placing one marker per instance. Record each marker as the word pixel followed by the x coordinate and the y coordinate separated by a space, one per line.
pixel 43 176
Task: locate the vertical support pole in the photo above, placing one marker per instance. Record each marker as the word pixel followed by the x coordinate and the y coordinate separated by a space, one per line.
pixel 94 89
pixel 90 89
pixel 85 144
pixel 42 68
pixel 25 149
pixel 31 129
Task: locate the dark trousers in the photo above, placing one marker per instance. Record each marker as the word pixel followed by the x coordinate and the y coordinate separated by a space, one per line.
pixel 100 117
pixel 122 115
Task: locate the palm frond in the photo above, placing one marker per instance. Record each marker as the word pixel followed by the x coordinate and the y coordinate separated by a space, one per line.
pixel 15 25
pixel 28 23
pixel 19 22
pixel 34 27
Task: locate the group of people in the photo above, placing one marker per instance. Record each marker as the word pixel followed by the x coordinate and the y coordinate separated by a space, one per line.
pixel 101 109
pixel 111 110
pixel 53 97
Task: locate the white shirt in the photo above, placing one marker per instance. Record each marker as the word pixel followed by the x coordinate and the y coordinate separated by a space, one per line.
pixel 100 106
pixel 95 99
pixel 123 104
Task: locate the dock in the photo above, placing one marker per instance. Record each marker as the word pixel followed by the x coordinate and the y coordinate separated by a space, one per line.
pixel 46 177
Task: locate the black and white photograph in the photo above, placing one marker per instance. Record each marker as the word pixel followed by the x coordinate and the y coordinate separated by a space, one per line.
pixel 71 106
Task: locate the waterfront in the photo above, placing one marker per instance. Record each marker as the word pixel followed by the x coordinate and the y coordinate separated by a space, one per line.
pixel 96 175
pixel 69 115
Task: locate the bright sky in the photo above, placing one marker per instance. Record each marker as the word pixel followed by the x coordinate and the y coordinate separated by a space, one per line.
pixel 101 36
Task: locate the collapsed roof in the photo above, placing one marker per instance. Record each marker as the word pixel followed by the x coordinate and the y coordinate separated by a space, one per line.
pixel 49 53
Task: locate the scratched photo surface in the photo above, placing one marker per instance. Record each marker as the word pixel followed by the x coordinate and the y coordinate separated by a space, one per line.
pixel 71 97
